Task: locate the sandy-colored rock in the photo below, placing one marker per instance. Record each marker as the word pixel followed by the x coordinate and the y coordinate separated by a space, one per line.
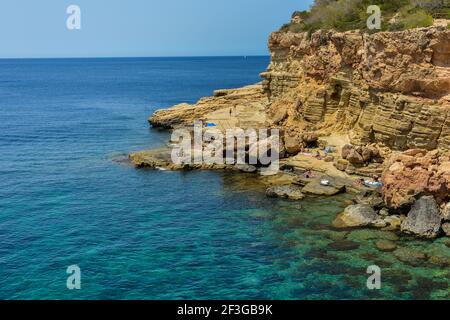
pixel 293 144
pixel 241 102
pixel 325 79
pixel 355 216
pixel 354 157
pixel 394 222
pixel 341 164
pixel 407 176
pixel 410 256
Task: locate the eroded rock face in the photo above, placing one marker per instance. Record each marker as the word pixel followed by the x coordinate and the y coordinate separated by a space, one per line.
pixel 424 219
pixel 416 172
pixel 355 216
pixel 388 87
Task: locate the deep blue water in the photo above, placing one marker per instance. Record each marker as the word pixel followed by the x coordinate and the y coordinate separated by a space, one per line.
pixel 139 234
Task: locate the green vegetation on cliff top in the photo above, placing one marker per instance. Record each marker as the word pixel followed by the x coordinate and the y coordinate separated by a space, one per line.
pixel 343 15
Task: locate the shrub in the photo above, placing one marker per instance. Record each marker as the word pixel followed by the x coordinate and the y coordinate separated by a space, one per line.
pixel 418 19
pixel 343 15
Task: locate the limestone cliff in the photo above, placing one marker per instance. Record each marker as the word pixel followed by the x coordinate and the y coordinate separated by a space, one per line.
pixel 389 87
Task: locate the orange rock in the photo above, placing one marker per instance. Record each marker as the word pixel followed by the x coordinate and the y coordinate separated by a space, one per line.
pixel 404 179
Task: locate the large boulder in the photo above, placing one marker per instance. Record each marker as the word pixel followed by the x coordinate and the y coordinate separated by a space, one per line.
pixel 358 155
pixel 293 144
pixel 424 219
pixel 354 157
pixel 291 192
pixel 408 176
pixel 310 138
pixel 369 153
pixel 355 216
pixel 341 164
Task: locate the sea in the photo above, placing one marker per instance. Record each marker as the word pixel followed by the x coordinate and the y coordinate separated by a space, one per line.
pixel 68 197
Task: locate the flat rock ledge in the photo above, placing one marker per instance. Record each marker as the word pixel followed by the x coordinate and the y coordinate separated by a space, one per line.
pixel 291 192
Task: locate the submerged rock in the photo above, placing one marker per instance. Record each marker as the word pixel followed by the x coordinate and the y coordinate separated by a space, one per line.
pixel 343 245
pixel 440 261
pixel 410 256
pixel 287 191
pixel 246 168
pixel 424 219
pixel 355 216
pixel 364 235
pixel 446 228
pixel 385 245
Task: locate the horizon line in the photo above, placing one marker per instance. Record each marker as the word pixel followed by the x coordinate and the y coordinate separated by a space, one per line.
pixel 136 57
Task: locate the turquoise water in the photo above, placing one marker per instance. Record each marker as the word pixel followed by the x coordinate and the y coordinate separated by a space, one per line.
pixel 140 234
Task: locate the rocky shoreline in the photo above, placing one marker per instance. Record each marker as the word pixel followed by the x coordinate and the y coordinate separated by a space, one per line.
pixel 351 107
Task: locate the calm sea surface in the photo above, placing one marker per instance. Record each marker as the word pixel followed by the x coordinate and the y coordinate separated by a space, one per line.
pixel 139 234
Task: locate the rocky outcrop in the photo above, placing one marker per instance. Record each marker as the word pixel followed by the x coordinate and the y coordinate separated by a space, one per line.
pixel 381 101
pixel 446 228
pixel 410 256
pixel 358 155
pixel 291 192
pixel 416 172
pixel 424 219
pixel 242 100
pixel 355 216
pixel 389 87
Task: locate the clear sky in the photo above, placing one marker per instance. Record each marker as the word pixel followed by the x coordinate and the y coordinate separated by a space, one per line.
pixel 37 28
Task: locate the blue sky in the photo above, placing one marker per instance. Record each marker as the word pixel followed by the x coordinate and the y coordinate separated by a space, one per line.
pixel 37 28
